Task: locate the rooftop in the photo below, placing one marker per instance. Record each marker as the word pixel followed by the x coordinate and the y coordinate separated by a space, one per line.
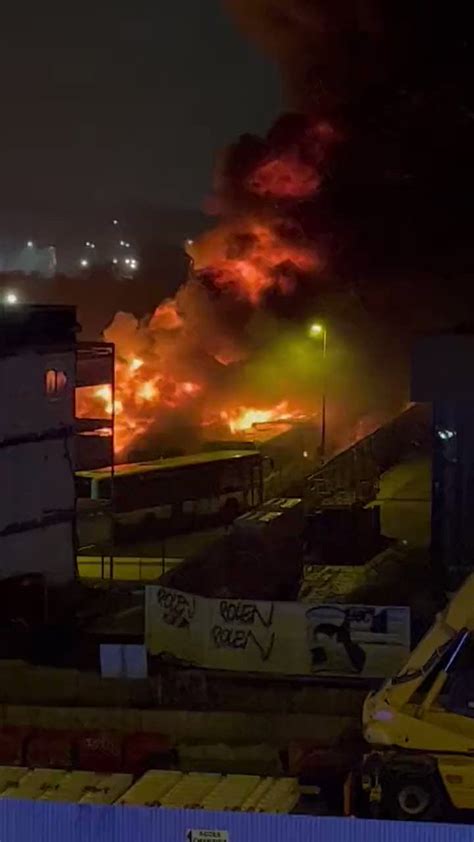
pixel 173 463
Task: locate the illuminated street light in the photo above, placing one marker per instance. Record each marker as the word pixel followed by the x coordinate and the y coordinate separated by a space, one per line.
pixel 122 242
pixel 115 222
pixel 11 298
pixel 30 244
pixel 84 263
pixel 115 260
pixel 318 331
pixel 127 261
pixel 189 242
pixel 315 330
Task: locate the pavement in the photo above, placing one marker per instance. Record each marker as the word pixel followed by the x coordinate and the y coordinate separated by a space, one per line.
pixel 405 502
pixel 401 574
pixel 145 561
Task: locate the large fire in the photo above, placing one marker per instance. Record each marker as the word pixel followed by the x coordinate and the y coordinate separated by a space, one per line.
pixel 140 401
pixel 250 258
pixel 243 418
pixel 182 358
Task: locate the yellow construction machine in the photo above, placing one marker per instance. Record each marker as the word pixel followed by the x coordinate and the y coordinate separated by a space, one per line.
pixel 420 724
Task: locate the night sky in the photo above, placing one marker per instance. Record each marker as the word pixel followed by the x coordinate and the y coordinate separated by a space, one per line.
pixel 124 102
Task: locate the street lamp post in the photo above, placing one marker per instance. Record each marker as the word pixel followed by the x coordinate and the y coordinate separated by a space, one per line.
pixel 317 331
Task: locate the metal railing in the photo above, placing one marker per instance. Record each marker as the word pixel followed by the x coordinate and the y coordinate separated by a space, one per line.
pixel 125 568
pixel 353 474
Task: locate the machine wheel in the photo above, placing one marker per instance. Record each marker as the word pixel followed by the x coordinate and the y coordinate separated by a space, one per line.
pixel 414 798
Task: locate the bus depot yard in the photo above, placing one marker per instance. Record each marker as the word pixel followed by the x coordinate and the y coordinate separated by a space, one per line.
pixel 188 718
pixel 252 648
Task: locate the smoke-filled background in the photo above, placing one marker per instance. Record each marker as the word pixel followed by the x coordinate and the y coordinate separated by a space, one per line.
pixel 233 347
pixel 397 76
pixel 355 210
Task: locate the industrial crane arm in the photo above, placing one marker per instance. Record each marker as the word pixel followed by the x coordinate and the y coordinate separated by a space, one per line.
pixel 455 621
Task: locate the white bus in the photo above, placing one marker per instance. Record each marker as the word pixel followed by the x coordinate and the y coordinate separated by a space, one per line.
pixel 168 496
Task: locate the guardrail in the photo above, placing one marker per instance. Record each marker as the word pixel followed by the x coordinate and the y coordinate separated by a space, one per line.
pixel 353 474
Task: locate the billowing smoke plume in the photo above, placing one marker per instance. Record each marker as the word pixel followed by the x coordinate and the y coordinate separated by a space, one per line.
pixel 327 49
pixel 218 354
pixel 350 210
pixel 397 76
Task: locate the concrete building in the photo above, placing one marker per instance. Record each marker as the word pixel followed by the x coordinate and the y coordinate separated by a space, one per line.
pixel 443 374
pixel 37 375
pixel 39 438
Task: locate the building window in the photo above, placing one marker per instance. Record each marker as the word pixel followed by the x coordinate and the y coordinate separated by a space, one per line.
pixel 55 383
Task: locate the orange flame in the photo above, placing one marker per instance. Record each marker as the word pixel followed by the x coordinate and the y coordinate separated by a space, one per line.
pixel 287 177
pixel 251 258
pixel 244 418
pixel 168 361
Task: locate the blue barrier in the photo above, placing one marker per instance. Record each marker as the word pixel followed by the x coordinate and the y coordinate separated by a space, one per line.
pixel 43 821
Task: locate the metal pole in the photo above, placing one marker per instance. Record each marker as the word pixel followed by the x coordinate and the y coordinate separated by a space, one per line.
pixel 322 449
pixel 112 469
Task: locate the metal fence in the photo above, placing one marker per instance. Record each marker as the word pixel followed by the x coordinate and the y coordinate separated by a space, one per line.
pixel 352 475
pixel 126 568
pixel 43 821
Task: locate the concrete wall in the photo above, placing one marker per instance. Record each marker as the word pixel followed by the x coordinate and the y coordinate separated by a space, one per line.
pixel 25 407
pixel 36 465
pixel 228 727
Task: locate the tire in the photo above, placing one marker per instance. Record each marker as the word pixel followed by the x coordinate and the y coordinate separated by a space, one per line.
pixel 417 799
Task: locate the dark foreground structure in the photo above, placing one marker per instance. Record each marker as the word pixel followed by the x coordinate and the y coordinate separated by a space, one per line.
pixel 48 822
pixel 443 374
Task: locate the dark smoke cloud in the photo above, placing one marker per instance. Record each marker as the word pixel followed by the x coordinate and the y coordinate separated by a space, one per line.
pixel 397 77
pixel 392 214
pixel 319 44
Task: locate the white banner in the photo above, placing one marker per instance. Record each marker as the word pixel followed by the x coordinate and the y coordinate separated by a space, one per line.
pixel 285 638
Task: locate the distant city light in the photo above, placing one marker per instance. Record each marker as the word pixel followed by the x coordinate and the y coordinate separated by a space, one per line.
pixel 127 261
pixel 189 242
pixel 84 263
pixel 305 454
pixel 133 263
pixel 90 245
pixel 122 242
pixel 30 244
pixel 11 298
pixel 115 260
pixel 446 435
pixel 115 221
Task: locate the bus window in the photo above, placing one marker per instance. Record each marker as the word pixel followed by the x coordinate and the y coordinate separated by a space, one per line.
pixel 140 491
pixel 83 487
pixel 230 480
pixel 102 489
